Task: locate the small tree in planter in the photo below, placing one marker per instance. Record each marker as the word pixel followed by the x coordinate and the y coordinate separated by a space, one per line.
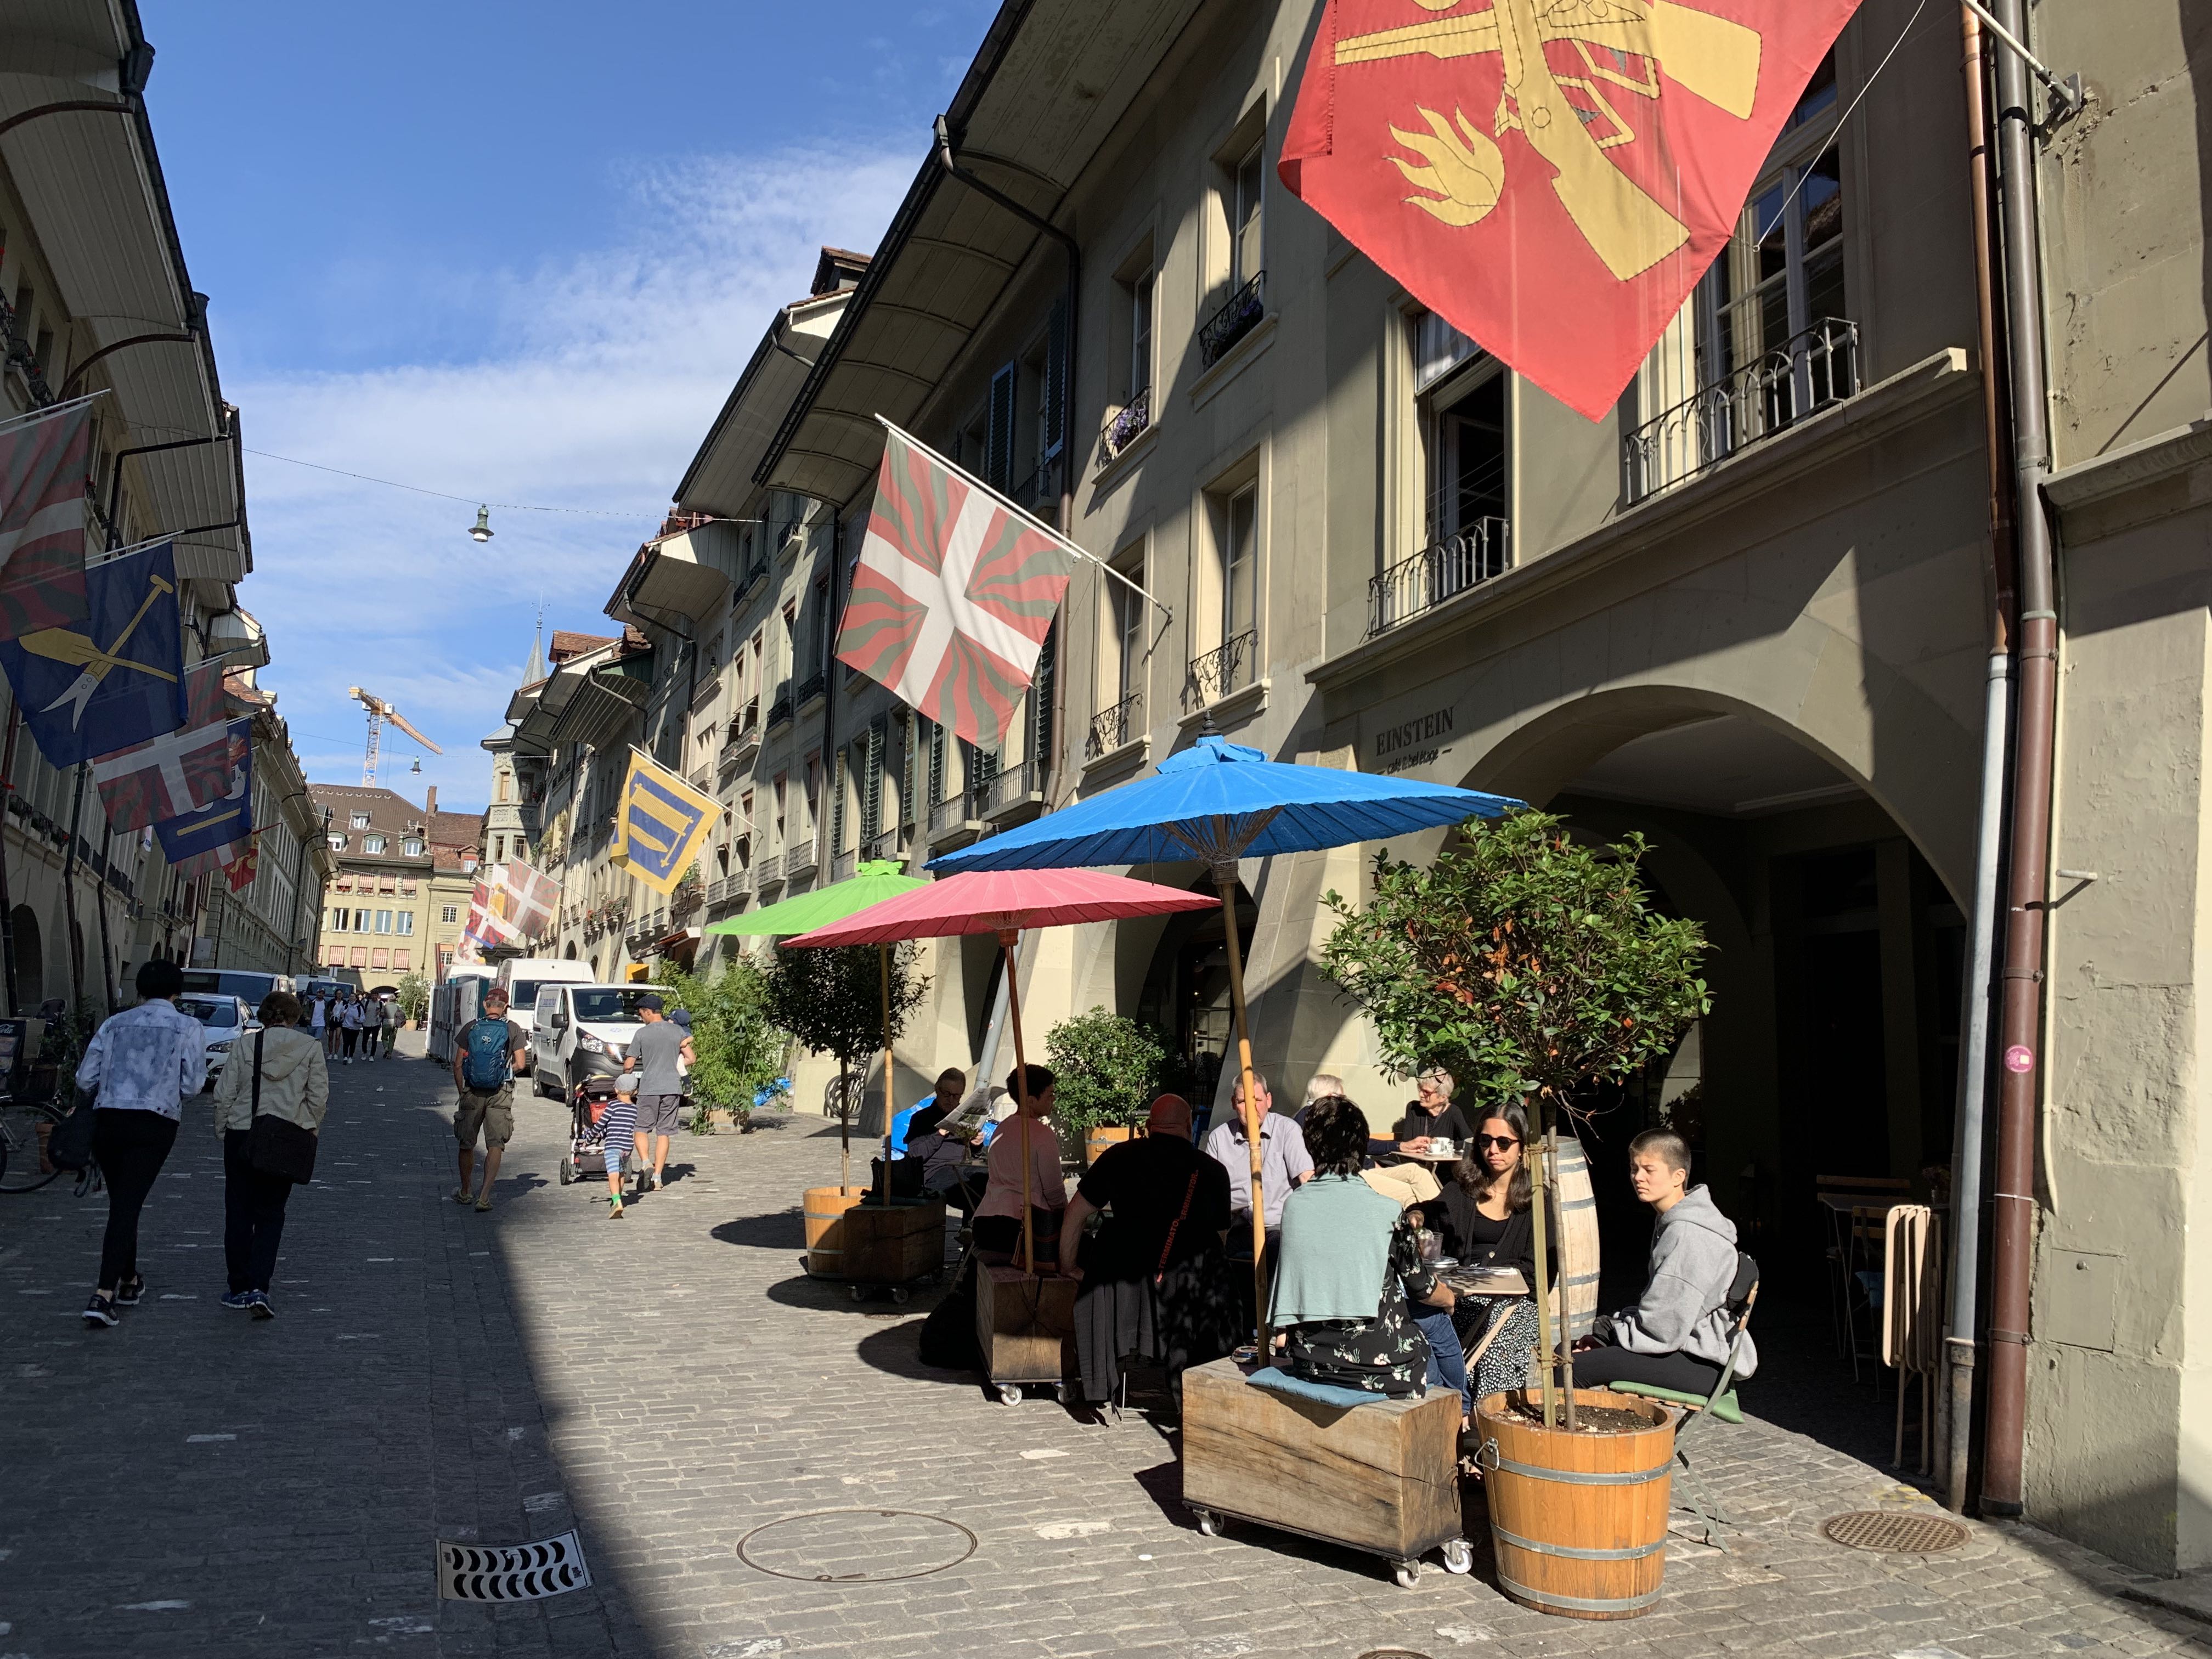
pixel 414 997
pixel 1105 1067
pixel 832 1001
pixel 1530 965
pixel 739 1048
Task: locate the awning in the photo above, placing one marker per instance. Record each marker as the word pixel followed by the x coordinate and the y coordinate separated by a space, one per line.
pixel 603 705
pixel 1051 80
pixel 679 581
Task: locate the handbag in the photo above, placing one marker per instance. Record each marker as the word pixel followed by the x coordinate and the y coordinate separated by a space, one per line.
pixel 1182 1215
pixel 277 1146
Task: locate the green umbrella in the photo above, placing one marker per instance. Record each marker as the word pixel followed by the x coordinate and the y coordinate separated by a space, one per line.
pixel 870 884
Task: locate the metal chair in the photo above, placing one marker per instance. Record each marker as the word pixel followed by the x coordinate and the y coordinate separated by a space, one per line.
pixel 1852 1207
pixel 1743 1294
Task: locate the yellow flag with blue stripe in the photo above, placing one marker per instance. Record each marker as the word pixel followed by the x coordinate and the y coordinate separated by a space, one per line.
pixel 661 823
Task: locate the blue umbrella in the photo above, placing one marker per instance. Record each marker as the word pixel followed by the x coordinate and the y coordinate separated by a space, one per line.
pixel 1218 802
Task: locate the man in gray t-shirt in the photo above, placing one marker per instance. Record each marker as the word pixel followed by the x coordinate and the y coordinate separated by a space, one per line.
pixel 655 1053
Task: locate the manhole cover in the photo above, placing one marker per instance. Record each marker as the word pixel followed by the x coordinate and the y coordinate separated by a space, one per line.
pixel 856 1547
pixel 1392 1653
pixel 1893 1533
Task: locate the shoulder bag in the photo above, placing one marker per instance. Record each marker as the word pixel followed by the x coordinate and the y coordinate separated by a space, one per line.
pixel 1181 1216
pixel 279 1146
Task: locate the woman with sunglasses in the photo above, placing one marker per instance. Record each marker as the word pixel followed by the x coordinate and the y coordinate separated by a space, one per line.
pixel 1485 1221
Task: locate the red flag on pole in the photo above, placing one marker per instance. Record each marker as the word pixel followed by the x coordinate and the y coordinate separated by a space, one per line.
pixel 1551 177
pixel 42 486
pixel 954 592
pixel 177 773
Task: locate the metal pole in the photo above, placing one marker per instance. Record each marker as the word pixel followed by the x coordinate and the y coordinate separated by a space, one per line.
pixel 69 895
pixel 1539 1219
pixel 883 960
pixel 1006 937
pixel 6 901
pixel 2012 1235
pixel 1956 1404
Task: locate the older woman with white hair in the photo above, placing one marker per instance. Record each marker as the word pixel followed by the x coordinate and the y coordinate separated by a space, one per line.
pixel 1431 1117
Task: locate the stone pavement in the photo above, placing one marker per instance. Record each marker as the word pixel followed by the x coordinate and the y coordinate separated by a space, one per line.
pixel 195 1482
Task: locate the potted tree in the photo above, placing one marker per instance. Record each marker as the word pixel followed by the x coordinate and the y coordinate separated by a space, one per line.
pixel 414 999
pixel 1534 966
pixel 740 1049
pixel 1106 1068
pixel 834 1001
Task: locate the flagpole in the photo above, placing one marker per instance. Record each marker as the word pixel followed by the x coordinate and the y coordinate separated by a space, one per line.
pixel 49 411
pixel 69 892
pixel 1059 535
pixel 8 903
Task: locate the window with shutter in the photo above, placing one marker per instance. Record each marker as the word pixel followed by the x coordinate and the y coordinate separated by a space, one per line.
pixel 1050 406
pixel 872 785
pixel 998 437
pixel 936 761
pixel 910 760
pixel 1041 706
pixel 837 806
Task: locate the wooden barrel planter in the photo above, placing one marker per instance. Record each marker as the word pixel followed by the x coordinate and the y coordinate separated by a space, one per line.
pixel 824 1208
pixel 1104 1135
pixel 1578 1521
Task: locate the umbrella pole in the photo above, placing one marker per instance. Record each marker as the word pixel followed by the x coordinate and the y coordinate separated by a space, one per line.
pixel 1006 937
pixel 844 1133
pixel 1227 884
pixel 884 958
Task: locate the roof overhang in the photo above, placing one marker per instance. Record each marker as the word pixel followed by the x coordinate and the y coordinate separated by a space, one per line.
pixel 719 479
pixel 678 581
pixel 602 706
pixel 1052 79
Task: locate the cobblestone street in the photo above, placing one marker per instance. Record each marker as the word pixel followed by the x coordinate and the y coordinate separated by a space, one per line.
pixel 195 1482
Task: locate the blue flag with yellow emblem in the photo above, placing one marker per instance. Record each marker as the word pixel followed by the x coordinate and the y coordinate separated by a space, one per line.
pixel 661 823
pixel 115 679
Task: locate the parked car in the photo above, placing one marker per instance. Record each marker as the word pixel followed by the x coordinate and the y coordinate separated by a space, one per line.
pixel 227 1019
pixel 250 984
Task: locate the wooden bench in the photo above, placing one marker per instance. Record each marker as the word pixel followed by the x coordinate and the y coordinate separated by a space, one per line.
pixel 1382 1477
pixel 1026 1326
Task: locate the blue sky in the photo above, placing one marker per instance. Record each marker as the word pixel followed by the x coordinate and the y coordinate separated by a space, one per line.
pixel 518 252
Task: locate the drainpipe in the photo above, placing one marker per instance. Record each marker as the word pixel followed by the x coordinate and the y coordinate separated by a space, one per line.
pixel 1957 1403
pixel 2012 1230
pixel 1045 226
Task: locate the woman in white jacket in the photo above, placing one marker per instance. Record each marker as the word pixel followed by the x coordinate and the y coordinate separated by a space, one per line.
pixel 295 1085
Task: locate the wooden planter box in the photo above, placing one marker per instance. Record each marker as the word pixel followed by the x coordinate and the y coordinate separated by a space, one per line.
pixel 1025 1325
pixel 1383 1478
pixel 868 1244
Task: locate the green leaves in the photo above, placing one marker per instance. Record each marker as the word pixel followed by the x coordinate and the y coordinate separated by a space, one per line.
pixel 739 1047
pixel 831 1000
pixel 1527 962
pixel 1106 1068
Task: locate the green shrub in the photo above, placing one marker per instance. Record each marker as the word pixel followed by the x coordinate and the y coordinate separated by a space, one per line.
pixel 739 1048
pixel 1106 1069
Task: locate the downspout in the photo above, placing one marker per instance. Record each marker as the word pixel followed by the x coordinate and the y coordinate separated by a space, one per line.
pixel 2013 1226
pixel 1047 784
pixel 1957 1402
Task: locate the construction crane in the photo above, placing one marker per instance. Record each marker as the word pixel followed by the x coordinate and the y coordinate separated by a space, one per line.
pixel 378 711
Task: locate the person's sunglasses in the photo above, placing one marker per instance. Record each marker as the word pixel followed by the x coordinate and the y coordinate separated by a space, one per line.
pixel 1502 1142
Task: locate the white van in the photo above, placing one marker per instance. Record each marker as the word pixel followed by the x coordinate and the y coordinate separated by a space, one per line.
pixel 523 977
pixel 248 984
pixel 580 1031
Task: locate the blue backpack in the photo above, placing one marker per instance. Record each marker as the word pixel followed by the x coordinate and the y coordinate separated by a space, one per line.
pixel 484 1054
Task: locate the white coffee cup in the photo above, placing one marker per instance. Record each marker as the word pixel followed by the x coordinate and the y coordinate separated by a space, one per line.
pixel 1443 1146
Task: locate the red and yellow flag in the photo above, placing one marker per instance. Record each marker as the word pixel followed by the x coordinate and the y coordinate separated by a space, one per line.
pixel 1551 177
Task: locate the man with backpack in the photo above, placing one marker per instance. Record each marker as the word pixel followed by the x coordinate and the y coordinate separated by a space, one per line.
pixel 488 1053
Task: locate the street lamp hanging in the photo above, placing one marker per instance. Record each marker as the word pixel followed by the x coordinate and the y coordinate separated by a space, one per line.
pixel 481 530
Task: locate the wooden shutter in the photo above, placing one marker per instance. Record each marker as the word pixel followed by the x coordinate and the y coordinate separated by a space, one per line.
pixel 998 437
pixel 1041 706
pixel 1055 385
pixel 936 761
pixel 872 785
pixel 838 805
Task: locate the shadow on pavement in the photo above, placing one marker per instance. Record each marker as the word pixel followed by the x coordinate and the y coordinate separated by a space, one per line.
pixel 781 1230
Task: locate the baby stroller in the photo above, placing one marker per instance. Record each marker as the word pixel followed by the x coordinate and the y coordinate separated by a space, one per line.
pixel 586 1156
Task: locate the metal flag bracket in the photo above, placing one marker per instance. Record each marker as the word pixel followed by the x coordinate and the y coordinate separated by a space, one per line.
pixel 2067 98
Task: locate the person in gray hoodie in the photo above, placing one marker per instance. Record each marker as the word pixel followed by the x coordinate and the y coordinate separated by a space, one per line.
pixel 1675 1335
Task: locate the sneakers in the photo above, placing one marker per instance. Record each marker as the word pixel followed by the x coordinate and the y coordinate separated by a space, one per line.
pixel 483 1200
pixel 131 1292
pixel 461 1195
pixel 614 1213
pixel 99 1310
pixel 257 1302
pixel 239 1299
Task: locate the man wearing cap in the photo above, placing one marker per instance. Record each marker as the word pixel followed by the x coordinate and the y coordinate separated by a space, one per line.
pixel 658 1054
pixel 488 1052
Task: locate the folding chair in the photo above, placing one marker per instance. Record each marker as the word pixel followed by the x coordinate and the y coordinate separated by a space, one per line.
pixel 1852 1207
pixel 1743 1292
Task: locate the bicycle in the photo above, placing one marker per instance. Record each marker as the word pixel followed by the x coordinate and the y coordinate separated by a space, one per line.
pixel 24 1165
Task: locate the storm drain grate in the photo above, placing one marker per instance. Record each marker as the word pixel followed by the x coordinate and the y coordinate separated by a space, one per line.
pixel 511 1572
pixel 856 1547
pixel 1893 1533
pixel 1392 1653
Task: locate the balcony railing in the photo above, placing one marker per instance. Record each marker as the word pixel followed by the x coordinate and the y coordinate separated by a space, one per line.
pixel 1040 492
pixel 1011 790
pixel 1226 669
pixel 812 687
pixel 1128 424
pixel 744 733
pixel 799 857
pixel 949 817
pixel 1238 316
pixel 1437 573
pixel 704 693
pixel 841 865
pixel 780 709
pixel 1116 727
pixel 878 848
pixel 1770 394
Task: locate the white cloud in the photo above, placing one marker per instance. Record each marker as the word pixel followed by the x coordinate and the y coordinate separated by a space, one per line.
pixel 597 377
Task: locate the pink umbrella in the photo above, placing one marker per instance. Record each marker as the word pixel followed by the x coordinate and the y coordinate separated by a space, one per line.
pixel 1004 902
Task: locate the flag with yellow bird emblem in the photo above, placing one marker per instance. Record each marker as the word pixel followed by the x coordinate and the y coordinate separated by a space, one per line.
pixel 1550 177
pixel 661 823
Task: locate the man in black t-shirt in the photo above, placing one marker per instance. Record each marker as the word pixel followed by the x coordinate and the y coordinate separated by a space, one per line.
pixel 1146 1185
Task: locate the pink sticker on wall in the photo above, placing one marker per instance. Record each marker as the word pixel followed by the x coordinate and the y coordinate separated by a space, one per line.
pixel 2020 1058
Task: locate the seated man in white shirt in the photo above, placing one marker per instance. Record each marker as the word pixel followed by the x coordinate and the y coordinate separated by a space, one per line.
pixel 1284 1161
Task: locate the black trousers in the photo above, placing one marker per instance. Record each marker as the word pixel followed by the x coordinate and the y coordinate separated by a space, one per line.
pixel 1599 1366
pixel 351 1040
pixel 1001 1235
pixel 131 1147
pixel 252 1214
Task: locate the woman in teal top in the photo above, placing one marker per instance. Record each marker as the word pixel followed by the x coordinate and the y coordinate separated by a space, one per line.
pixel 1348 1262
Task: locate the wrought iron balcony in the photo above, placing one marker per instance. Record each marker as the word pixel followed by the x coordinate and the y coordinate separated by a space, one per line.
pixel 841 865
pixel 812 686
pixel 1116 727
pixel 799 857
pixel 1017 791
pixel 780 709
pixel 1770 394
pixel 878 848
pixel 744 733
pixel 1436 572
pixel 950 817
pixel 1238 316
pixel 1129 423
pixel 1226 669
